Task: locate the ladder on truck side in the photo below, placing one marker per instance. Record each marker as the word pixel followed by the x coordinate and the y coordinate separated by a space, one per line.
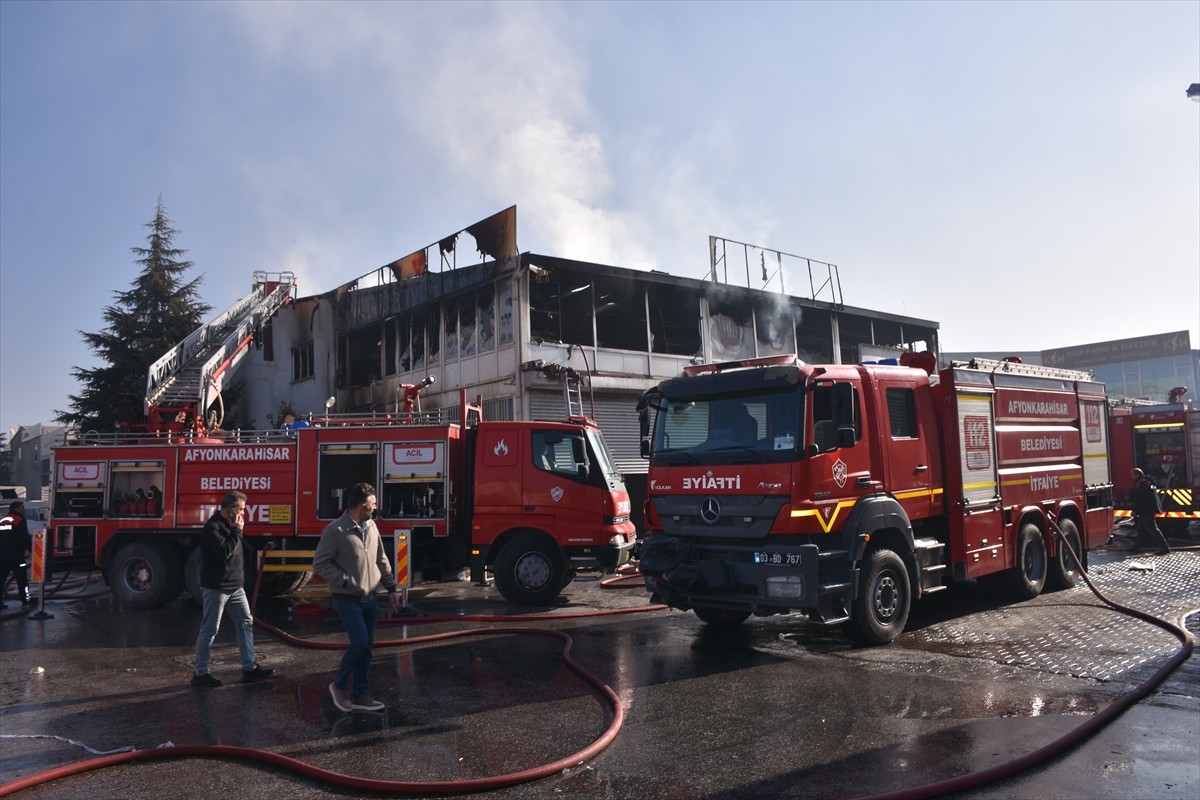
pixel 192 373
pixel 573 394
pixel 1021 368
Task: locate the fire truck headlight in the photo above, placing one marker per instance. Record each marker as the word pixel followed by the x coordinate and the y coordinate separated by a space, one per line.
pixel 785 586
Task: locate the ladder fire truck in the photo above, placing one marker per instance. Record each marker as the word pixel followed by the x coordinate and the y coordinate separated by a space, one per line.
pixel 1163 440
pixel 531 501
pixel 847 491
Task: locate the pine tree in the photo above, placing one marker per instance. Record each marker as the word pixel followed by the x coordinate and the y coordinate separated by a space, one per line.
pixel 157 312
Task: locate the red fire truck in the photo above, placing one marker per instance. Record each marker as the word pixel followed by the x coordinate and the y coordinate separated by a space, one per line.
pixel 1162 439
pixel 531 501
pixel 847 491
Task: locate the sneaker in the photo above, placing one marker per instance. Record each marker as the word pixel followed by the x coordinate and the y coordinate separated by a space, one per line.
pixel 366 703
pixel 340 699
pixel 206 680
pixel 257 674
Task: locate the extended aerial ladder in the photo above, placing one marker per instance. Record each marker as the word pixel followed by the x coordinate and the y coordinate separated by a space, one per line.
pixel 190 376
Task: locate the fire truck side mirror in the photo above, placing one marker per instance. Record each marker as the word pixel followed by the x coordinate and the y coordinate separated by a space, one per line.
pixel 579 450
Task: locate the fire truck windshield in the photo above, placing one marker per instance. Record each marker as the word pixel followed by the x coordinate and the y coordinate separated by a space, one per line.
pixel 753 427
pixel 600 453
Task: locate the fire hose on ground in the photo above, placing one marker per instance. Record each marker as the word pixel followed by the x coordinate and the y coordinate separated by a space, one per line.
pixel 961 783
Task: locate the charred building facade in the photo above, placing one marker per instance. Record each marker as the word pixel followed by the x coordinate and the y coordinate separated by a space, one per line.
pixel 538 337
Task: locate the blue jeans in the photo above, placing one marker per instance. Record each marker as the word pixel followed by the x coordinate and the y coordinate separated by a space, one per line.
pixel 359 619
pixel 215 602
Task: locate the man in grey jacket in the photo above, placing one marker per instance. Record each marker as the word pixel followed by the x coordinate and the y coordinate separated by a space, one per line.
pixel 352 560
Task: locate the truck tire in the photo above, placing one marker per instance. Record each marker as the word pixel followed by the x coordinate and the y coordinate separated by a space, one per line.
pixel 721 617
pixel 144 575
pixel 880 612
pixel 529 571
pixel 278 584
pixel 191 576
pixel 1064 572
pixel 1026 580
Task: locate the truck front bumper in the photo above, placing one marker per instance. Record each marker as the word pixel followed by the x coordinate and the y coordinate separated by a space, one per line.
pixel 763 579
pixel 606 557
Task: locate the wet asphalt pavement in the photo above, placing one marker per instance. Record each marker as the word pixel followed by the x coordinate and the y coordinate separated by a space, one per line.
pixel 775 709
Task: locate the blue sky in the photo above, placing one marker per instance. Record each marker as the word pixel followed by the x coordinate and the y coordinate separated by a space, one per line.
pixel 1026 174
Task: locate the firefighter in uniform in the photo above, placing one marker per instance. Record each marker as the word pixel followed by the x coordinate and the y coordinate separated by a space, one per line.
pixel 1145 506
pixel 15 546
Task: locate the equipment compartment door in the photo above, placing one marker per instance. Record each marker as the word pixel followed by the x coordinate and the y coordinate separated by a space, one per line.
pixel 982 525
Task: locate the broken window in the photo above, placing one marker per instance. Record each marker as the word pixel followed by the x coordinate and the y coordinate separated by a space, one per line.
pixel 418 342
pixel 887 333
pixel 853 331
pixel 731 327
pixel 504 305
pixel 814 335
pixel 674 321
pixel 364 348
pixel 302 362
pixel 466 325
pixel 620 314
pixel 389 345
pixel 486 333
pixel 450 314
pixel 774 328
pixel 433 340
pixel 575 302
pixel 405 343
pixel 544 311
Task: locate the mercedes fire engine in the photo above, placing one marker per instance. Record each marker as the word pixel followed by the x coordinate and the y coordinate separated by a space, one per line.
pixel 847 491
pixel 1163 440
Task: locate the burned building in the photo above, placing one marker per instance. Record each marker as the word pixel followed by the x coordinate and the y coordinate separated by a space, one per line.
pixel 538 337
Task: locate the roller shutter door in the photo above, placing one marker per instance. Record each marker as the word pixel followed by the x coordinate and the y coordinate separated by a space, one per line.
pixel 616 415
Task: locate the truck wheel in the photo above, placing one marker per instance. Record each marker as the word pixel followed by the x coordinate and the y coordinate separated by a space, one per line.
pixel 529 571
pixel 145 575
pixel 1064 572
pixel 721 617
pixel 278 584
pixel 1026 580
pixel 880 611
pixel 191 576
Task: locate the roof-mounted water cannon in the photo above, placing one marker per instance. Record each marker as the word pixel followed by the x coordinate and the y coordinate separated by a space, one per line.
pixel 411 394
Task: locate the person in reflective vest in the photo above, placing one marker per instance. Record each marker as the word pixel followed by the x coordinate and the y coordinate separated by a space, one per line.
pixel 15 547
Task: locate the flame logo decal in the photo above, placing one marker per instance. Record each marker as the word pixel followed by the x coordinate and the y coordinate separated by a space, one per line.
pixel 501 449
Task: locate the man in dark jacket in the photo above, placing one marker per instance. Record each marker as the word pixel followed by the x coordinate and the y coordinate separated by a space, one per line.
pixel 15 544
pixel 221 578
pixel 1145 505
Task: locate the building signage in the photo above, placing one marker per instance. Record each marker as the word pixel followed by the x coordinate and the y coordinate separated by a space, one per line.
pixel 1162 345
